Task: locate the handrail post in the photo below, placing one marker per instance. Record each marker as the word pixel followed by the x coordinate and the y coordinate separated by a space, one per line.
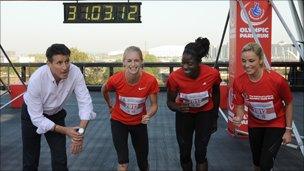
pixel 23 73
pixel 171 69
pixel 81 67
pixel 8 75
pixel 111 71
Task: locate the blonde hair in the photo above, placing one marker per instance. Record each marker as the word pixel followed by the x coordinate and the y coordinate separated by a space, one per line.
pixel 133 49
pixel 255 48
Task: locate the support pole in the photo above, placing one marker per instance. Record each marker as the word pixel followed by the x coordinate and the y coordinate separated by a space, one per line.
pixel 298 137
pixel 296 20
pixel 222 40
pixel 297 46
pixel 8 59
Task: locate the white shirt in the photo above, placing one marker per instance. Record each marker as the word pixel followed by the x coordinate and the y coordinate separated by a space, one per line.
pixel 44 96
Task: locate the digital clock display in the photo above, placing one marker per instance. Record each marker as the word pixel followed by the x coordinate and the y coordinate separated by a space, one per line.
pixel 119 12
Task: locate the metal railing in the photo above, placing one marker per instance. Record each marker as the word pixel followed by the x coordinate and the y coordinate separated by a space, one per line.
pixel 292 71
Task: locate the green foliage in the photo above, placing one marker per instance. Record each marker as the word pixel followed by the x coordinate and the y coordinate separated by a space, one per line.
pixel 151 70
pixel 150 58
pixel 78 56
pixel 106 72
pixel 105 75
pixel 94 75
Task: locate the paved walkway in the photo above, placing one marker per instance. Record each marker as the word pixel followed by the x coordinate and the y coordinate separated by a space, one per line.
pixel 224 152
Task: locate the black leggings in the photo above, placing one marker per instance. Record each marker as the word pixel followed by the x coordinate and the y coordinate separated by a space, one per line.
pixel 265 144
pixel 139 136
pixel 186 124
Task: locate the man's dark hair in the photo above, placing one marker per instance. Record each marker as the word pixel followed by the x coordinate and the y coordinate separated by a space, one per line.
pixel 57 49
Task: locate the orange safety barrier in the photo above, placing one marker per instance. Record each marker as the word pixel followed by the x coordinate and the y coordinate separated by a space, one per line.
pixel 16 90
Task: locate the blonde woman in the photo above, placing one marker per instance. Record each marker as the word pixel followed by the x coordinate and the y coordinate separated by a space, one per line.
pixel 129 115
pixel 269 107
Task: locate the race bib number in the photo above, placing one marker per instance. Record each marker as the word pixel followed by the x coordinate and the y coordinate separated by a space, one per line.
pixel 195 99
pixel 131 105
pixel 262 110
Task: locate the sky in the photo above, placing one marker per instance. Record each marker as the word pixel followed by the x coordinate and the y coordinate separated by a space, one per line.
pixel 31 27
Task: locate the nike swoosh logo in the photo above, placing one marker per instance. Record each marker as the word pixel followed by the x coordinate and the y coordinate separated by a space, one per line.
pixel 141 88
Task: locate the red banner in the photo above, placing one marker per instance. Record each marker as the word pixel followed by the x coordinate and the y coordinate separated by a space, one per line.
pixel 260 15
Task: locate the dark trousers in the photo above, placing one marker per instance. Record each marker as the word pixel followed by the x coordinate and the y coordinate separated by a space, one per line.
pixel 186 124
pixel 139 137
pixel 265 144
pixel 31 142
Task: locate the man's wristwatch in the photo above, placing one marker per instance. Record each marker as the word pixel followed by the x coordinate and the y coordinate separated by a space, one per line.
pixel 80 130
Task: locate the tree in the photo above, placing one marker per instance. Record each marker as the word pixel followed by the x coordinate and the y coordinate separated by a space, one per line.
pixel 78 56
pixel 93 75
pixel 150 58
pixel 152 70
pixel 106 73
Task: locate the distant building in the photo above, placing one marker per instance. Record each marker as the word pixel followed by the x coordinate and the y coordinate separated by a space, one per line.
pixel 11 54
pixel 224 55
pixel 114 53
pixel 167 51
pixel 26 59
pixel 284 52
pixel 173 53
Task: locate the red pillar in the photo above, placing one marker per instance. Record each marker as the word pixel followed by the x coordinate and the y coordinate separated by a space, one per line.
pixel 260 15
